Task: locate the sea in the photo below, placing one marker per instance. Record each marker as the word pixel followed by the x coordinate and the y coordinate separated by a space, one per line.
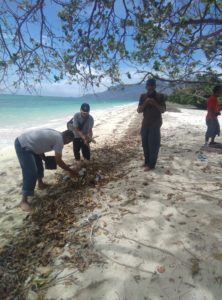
pixel 21 113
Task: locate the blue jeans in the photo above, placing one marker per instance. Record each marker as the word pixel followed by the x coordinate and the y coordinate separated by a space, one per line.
pixel 151 145
pixel 32 168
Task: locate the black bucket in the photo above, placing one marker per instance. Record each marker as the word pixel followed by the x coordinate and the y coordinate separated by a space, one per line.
pixel 50 163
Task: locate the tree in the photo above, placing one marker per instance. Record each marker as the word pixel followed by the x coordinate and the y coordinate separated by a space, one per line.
pixel 90 40
pixel 195 94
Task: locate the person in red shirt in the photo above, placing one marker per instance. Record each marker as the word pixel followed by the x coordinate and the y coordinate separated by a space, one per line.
pixel 213 111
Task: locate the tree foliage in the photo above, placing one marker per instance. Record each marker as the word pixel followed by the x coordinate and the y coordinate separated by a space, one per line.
pixel 90 40
pixel 195 94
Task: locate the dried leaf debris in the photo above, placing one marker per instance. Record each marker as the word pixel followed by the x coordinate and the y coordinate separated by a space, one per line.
pixel 25 261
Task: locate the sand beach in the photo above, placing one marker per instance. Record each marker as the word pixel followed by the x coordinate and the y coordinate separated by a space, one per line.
pixel 117 232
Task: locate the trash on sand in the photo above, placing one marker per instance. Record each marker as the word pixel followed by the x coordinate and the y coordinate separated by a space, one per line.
pixel 65 178
pixel 201 157
pixel 82 172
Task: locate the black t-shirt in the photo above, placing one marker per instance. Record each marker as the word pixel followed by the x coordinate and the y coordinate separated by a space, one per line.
pixel 151 115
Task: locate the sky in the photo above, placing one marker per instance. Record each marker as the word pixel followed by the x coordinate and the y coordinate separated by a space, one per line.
pixel 63 88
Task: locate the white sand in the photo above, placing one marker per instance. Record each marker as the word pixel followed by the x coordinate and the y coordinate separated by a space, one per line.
pixel 158 233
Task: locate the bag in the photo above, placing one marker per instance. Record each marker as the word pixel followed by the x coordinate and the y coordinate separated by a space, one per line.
pixel 70 125
pixel 50 163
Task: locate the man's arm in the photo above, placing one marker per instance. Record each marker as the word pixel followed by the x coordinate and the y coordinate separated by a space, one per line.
pixel 150 101
pixel 63 165
pixel 79 132
pixel 142 104
pixel 160 107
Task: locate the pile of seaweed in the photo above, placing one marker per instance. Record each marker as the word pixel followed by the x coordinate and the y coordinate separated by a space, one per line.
pixel 46 231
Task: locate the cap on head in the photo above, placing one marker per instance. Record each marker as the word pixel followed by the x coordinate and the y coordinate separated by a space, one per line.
pixel 151 81
pixel 85 107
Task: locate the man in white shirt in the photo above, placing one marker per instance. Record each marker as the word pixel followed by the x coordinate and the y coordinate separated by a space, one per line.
pixel 30 148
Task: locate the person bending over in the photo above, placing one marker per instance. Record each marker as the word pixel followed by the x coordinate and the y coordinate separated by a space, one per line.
pixel 30 148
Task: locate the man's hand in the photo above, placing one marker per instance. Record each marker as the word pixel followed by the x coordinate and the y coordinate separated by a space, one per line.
pixel 150 101
pixel 141 107
pixel 73 173
pixel 85 141
pixel 154 103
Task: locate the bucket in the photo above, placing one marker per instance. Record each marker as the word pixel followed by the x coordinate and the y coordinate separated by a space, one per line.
pixel 50 163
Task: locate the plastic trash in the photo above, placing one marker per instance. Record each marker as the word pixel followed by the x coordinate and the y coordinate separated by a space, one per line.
pixel 201 157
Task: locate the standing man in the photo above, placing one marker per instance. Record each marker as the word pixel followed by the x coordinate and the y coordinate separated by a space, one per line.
pixel 152 105
pixel 81 125
pixel 30 148
pixel 213 111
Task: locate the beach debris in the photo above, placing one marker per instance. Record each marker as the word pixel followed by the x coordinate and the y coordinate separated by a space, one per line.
pixel 195 268
pixel 168 172
pixel 59 176
pixel 218 280
pixel 98 177
pixel 82 172
pixel 91 218
pixel 161 269
pixel 217 256
pixel 201 156
pixel 11 190
pixel 137 278
pixel 65 178
pixel 94 217
pixel 168 216
pixel 219 203
pixel 207 169
pixel 49 228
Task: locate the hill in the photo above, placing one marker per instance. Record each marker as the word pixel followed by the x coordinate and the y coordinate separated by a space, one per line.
pixel 128 91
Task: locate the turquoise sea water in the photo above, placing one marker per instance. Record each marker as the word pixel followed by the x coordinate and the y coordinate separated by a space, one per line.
pixel 20 113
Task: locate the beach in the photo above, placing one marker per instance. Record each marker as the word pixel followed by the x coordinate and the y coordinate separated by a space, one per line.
pixel 118 232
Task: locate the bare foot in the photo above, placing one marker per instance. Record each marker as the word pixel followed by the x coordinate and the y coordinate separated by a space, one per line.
pixel 25 206
pixel 42 186
pixel 147 169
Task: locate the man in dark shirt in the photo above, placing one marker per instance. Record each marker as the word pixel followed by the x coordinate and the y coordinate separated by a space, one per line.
pixel 152 105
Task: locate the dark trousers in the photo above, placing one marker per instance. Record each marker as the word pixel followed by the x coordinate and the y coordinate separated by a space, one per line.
pixel 151 145
pixel 78 145
pixel 32 168
pixel 213 129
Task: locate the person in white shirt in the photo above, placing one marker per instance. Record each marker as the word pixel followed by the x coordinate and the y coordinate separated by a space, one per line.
pixel 30 148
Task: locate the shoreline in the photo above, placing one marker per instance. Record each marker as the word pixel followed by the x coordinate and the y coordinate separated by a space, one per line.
pixel 7 151
pixel 133 234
